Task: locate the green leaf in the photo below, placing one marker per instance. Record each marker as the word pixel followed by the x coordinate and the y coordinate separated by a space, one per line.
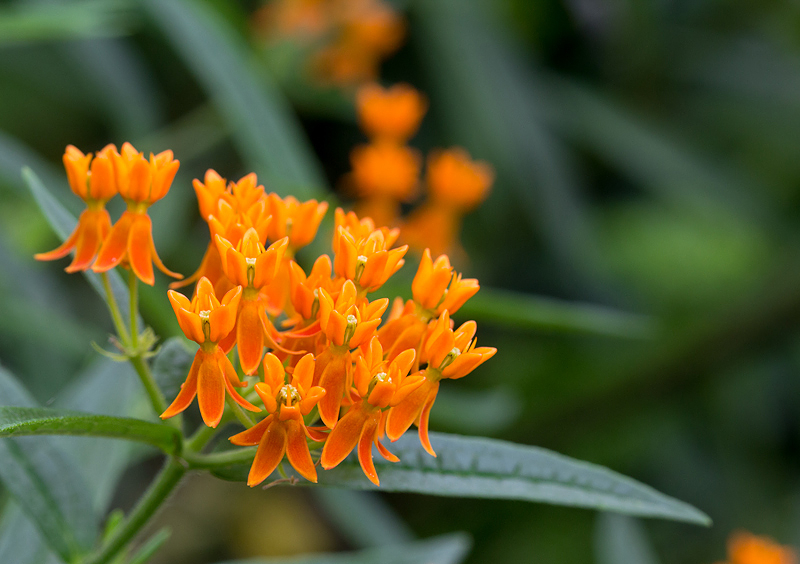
pixel 44 481
pixel 446 549
pixel 63 223
pixel 43 22
pixel 363 518
pixel 171 365
pixel 25 421
pixel 262 122
pixel 489 468
pixel 622 540
pixel 539 313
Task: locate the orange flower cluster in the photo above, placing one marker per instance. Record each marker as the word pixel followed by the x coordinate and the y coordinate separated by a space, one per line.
pixel 129 243
pixel 348 38
pixel 333 360
pixel 386 172
pixel 746 548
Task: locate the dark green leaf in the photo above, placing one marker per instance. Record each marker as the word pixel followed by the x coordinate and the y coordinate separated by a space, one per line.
pixel 63 223
pixel 38 22
pixel 449 549
pixel 363 518
pixel 488 468
pixel 171 366
pixel 44 481
pixel 548 314
pixel 622 540
pixel 25 421
pixel 268 135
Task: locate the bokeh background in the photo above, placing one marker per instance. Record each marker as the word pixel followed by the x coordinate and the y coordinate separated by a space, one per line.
pixel 640 250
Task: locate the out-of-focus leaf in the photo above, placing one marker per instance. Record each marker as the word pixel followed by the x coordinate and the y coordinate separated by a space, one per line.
pixel 20 541
pixel 482 412
pixel 364 518
pixel 26 22
pixel 269 138
pixel 650 157
pixel 63 224
pixel 492 103
pixel 488 468
pixel 148 550
pixel 171 366
pixel 449 549
pixel 46 483
pixel 24 421
pixel 621 540
pixel 548 314
pixel 120 85
pixel 14 156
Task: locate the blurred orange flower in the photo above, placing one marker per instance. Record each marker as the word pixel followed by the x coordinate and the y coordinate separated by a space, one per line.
pixel 392 114
pixel 746 548
pixel 140 183
pixel 92 180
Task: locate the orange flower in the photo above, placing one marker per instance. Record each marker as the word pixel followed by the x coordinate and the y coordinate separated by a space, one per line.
pixel 347 325
pixel 295 220
pixel 437 288
pixel 378 385
pixel 456 184
pixel 230 210
pixel 283 431
pixel 205 320
pixel 252 267
pixel 141 183
pixel 364 256
pixel 455 180
pixel 746 548
pixel 448 354
pixel 95 185
pixel 385 168
pixel 393 113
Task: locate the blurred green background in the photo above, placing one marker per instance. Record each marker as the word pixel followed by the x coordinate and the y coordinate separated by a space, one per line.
pixel 647 195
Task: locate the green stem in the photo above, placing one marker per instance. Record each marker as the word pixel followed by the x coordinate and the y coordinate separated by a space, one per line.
pixel 116 315
pixel 153 391
pixel 133 288
pixel 203 435
pixel 157 493
pixel 240 414
pixel 217 459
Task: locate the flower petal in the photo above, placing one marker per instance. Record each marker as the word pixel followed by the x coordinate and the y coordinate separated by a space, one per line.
pixel 211 392
pixel 188 389
pixel 140 244
pixel 249 336
pixel 115 246
pixel 344 437
pixel 297 451
pixel 269 454
pixel 365 447
pixel 252 436
pixel 406 412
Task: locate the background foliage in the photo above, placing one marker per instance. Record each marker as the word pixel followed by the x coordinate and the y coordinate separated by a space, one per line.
pixel 647 165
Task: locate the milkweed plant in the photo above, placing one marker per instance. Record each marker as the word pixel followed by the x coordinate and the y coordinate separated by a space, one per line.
pixel 301 373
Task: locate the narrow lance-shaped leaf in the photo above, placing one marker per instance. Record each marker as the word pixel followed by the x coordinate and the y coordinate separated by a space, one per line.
pixel 448 549
pixel 489 468
pixel 26 421
pixel 268 135
pixel 46 484
pixel 63 224
pixel 622 540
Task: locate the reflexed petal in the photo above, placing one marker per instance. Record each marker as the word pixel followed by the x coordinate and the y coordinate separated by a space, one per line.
pixel 62 250
pixel 343 438
pixel 249 336
pixel 140 243
pixel 252 436
pixel 115 246
pixel 88 242
pixel 211 392
pixel 188 388
pixel 297 451
pixel 334 381
pixel 269 454
pixel 423 424
pixel 365 447
pixel 406 412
